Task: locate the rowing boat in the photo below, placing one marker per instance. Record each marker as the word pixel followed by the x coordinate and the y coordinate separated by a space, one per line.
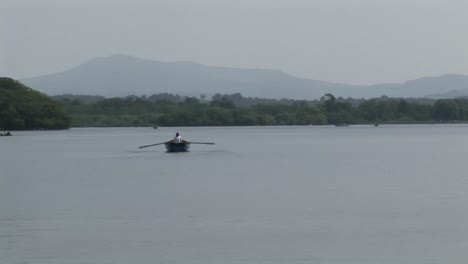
pixel 177 147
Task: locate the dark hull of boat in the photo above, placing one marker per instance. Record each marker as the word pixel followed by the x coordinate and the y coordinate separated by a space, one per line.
pixel 177 147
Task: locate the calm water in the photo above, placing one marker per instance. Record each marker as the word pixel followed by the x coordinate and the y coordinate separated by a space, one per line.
pixel 358 194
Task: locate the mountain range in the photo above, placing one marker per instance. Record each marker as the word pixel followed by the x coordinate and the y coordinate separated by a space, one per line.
pixel 122 75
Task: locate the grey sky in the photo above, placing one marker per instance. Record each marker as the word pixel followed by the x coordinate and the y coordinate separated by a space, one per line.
pixel 349 41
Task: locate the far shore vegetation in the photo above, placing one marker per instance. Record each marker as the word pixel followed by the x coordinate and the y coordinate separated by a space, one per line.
pixel 236 110
pixel 23 108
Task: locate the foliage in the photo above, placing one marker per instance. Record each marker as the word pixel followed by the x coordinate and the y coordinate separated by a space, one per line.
pixel 24 108
pixel 236 110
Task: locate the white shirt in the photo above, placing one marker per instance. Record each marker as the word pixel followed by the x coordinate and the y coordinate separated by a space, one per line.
pixel 178 139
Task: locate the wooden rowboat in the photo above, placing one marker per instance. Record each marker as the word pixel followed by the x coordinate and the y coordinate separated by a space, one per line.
pixel 177 147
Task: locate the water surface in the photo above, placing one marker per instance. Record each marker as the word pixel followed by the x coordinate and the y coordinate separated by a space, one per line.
pixel 358 194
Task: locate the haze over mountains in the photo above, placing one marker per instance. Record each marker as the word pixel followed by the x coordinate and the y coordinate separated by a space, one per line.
pixel 122 75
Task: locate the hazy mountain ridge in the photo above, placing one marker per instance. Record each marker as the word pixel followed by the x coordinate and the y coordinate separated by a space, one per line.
pixel 122 75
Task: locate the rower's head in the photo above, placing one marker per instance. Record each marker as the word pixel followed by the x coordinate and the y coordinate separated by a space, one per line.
pixel 177 134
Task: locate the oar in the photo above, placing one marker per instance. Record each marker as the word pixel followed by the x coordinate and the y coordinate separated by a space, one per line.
pixel 209 143
pixel 152 145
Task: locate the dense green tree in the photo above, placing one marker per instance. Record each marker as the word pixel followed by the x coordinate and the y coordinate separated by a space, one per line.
pixel 447 110
pixel 24 108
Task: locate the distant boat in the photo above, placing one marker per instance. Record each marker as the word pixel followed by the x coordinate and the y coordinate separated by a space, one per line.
pixel 177 147
pixel 6 134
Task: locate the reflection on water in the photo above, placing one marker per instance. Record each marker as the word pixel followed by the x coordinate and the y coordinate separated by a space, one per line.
pixel 357 194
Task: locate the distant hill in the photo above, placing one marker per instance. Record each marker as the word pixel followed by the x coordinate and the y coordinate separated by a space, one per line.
pixel 436 87
pixel 122 75
pixel 450 94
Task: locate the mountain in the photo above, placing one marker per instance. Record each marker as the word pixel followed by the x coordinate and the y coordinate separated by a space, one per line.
pixel 122 75
pixel 450 94
pixel 436 87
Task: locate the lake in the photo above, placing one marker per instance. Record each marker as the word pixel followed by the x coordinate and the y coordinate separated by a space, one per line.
pixel 313 194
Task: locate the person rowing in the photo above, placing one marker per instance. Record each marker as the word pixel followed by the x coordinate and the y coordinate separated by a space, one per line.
pixel 178 139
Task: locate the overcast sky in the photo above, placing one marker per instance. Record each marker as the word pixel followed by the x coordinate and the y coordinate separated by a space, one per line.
pixel 348 41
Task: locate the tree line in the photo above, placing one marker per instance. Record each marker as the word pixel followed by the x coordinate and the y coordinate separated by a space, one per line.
pixel 24 108
pixel 236 110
